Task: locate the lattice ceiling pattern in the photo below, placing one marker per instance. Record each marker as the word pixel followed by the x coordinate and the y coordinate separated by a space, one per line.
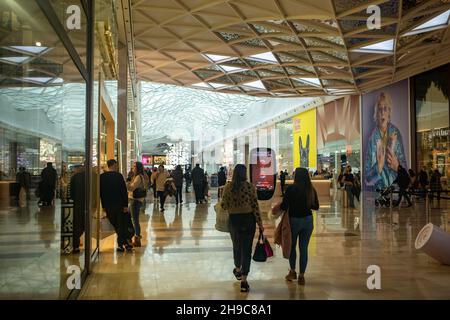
pixel 287 47
pixel 178 112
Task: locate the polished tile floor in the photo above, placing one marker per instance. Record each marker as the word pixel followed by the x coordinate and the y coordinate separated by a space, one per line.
pixel 184 257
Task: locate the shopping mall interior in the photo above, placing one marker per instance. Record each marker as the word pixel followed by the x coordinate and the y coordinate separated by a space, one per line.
pixel 271 84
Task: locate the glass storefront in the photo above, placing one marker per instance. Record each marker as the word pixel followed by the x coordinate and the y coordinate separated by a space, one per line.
pixel 431 97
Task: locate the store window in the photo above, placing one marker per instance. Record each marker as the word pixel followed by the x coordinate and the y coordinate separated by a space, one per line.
pixel 431 95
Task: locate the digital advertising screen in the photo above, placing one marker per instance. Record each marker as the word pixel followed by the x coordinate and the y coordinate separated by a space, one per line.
pixel 263 172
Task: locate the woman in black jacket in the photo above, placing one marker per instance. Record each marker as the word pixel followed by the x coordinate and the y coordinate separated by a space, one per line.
pixel 298 201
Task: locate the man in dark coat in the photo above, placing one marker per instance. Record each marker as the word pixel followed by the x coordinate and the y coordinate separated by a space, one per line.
pixel 114 197
pixel 403 180
pixel 198 177
pixel 78 195
pixel 47 185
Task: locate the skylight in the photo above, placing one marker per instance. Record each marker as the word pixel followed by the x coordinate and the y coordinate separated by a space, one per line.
pixel 15 60
pixel 40 80
pixel 217 57
pixel 379 47
pixel 264 57
pixel 201 85
pixel 29 49
pixel 216 85
pixel 440 21
pixel 310 81
pixel 255 85
pixel 230 69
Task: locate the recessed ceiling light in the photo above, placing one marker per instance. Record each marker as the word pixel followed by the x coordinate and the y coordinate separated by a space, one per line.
pixel 267 57
pixel 255 85
pixel 438 22
pixel 217 57
pixel 230 69
pixel 311 81
pixel 379 47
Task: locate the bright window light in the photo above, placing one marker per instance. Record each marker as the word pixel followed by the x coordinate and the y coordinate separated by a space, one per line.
pixel 201 85
pixel 15 60
pixel 217 57
pixel 379 47
pixel 216 85
pixel 440 21
pixel 29 49
pixel 264 57
pixel 310 81
pixel 231 69
pixel 255 85
pixel 58 81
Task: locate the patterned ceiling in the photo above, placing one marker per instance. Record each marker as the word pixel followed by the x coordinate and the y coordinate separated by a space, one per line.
pixel 286 47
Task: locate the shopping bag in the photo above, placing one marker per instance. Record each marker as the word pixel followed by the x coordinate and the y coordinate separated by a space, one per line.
pixel 260 254
pixel 268 248
pixel 222 218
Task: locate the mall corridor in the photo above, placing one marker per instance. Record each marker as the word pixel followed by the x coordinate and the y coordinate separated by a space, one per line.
pixel 184 257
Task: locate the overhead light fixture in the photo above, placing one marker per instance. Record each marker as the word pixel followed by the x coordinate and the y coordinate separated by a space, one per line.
pixel 38 44
pixel 14 60
pixel 385 47
pixel 201 85
pixel 230 69
pixel 438 22
pixel 255 85
pixel 311 81
pixel 28 49
pixel 267 57
pixel 216 85
pixel 217 57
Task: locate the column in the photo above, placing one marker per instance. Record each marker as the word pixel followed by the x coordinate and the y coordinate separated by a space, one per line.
pixel 122 105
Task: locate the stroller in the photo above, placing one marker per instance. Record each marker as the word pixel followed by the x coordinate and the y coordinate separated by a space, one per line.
pixel 384 198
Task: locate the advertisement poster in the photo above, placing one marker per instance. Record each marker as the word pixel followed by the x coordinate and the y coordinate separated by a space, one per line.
pixel 304 140
pixel 147 160
pixel 385 134
pixel 263 172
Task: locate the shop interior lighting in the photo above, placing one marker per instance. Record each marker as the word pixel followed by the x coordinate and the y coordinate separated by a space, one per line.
pixel 438 22
pixel 216 85
pixel 267 57
pixel 379 47
pixel 201 85
pixel 311 81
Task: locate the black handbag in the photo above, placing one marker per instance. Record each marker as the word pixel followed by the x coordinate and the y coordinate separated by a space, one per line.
pixel 260 254
pixel 140 192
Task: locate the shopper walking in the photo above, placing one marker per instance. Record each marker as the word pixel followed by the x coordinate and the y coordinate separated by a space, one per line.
pixel 114 198
pixel 435 184
pixel 137 190
pixel 349 183
pixel 160 180
pixel 423 181
pixel 221 180
pixel 300 198
pixel 153 183
pixel 47 185
pixel 78 195
pixel 240 200
pixel 177 176
pixel 403 182
pixel 198 177
pixel 282 181
pixel 23 178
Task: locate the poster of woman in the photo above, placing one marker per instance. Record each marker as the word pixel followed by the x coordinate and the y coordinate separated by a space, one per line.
pixel 385 134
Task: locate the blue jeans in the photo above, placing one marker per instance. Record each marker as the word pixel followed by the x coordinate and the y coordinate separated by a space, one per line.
pixel 300 228
pixel 135 208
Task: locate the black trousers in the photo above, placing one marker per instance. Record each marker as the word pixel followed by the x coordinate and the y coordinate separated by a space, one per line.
pixel 119 221
pixel 403 193
pixel 179 194
pixel 162 198
pixel 198 188
pixel 78 225
pixel 242 231
pixel 282 187
pixel 154 191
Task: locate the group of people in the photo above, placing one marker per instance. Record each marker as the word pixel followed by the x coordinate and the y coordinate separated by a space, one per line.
pixel 352 185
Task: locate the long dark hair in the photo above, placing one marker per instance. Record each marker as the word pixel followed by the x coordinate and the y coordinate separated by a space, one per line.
pixel 303 181
pixel 139 168
pixel 239 176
